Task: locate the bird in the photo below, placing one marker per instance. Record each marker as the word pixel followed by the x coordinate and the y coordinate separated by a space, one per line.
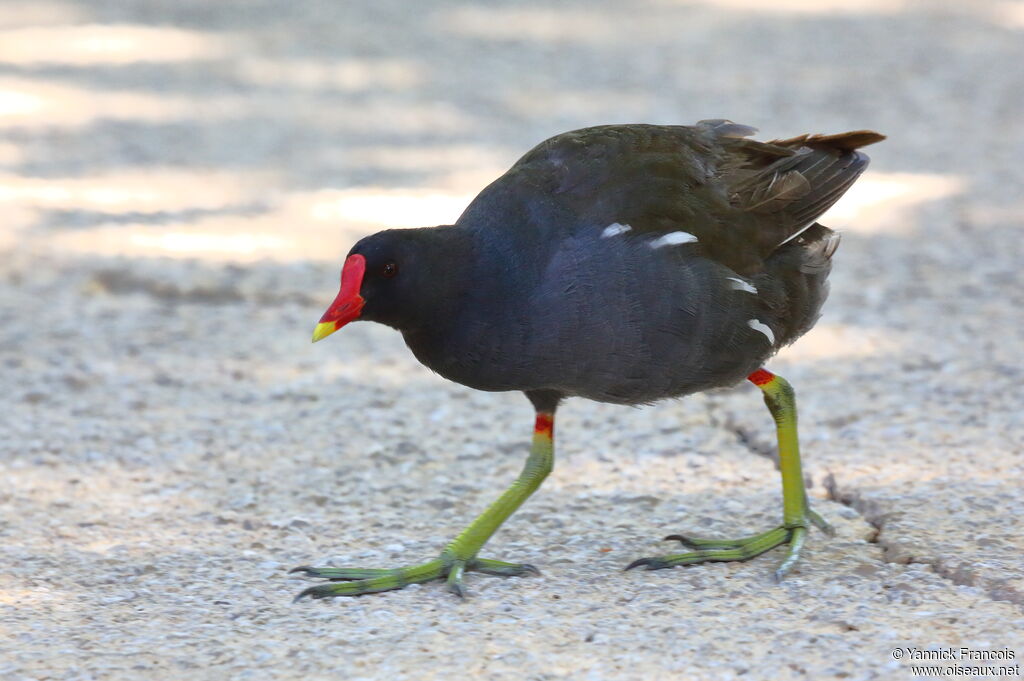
pixel 624 264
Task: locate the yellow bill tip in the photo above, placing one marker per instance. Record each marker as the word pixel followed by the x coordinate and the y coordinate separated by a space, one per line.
pixel 323 330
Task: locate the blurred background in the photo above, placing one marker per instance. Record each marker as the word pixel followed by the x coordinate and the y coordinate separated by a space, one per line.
pixel 179 183
pixel 233 131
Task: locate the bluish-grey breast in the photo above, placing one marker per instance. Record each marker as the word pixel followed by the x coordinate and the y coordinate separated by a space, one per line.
pixel 621 318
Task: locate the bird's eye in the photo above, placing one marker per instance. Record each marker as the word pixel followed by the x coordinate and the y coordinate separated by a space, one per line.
pixel 389 270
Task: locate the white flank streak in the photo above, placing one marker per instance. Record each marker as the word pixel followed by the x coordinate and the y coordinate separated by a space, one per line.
pixel 673 239
pixel 758 325
pixel 741 285
pixel 615 229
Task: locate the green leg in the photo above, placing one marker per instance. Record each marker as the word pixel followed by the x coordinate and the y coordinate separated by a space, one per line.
pixel 459 556
pixel 796 513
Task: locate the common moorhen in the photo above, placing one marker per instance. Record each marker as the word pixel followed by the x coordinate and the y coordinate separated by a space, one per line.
pixel 620 263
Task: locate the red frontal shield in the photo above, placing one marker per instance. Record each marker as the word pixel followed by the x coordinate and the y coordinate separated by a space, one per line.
pixel 349 304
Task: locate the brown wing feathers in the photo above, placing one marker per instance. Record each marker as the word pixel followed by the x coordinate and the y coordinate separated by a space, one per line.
pixel 844 141
pixel 797 179
pixel 742 198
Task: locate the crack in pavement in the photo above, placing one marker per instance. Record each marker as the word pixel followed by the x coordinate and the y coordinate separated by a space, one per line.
pixel 720 417
pixel 898 553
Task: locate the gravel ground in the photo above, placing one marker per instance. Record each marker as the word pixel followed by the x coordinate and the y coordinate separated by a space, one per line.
pixel 178 185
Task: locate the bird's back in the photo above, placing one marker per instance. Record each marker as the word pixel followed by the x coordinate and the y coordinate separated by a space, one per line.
pixel 742 198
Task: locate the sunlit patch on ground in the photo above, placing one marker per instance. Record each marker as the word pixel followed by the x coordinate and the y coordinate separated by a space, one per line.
pixel 391 208
pixel 192 244
pixel 833 341
pixel 1010 14
pixel 106 44
pixel 25 103
pixel 14 102
pixel 319 225
pixel 878 200
pixel 144 191
pixel 279 235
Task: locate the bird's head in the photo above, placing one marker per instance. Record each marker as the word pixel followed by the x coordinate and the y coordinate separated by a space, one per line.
pixel 391 277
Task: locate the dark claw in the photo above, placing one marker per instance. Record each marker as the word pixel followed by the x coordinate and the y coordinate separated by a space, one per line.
pixel 651 563
pixel 514 570
pixel 313 592
pixel 310 571
pixel 682 539
pixel 322 591
pixel 457 589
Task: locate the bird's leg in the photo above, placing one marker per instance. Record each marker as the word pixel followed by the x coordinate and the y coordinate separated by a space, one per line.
pixel 459 556
pixel 797 515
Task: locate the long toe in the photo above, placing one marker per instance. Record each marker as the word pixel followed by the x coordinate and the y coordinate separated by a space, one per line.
pixel 712 550
pixel 695 543
pixel 361 581
pixel 341 574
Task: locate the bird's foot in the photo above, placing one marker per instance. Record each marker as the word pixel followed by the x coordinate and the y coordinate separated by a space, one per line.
pixel 745 548
pixel 359 581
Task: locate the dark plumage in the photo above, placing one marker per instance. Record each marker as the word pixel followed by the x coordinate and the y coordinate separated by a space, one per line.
pixel 620 263
pixel 523 293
